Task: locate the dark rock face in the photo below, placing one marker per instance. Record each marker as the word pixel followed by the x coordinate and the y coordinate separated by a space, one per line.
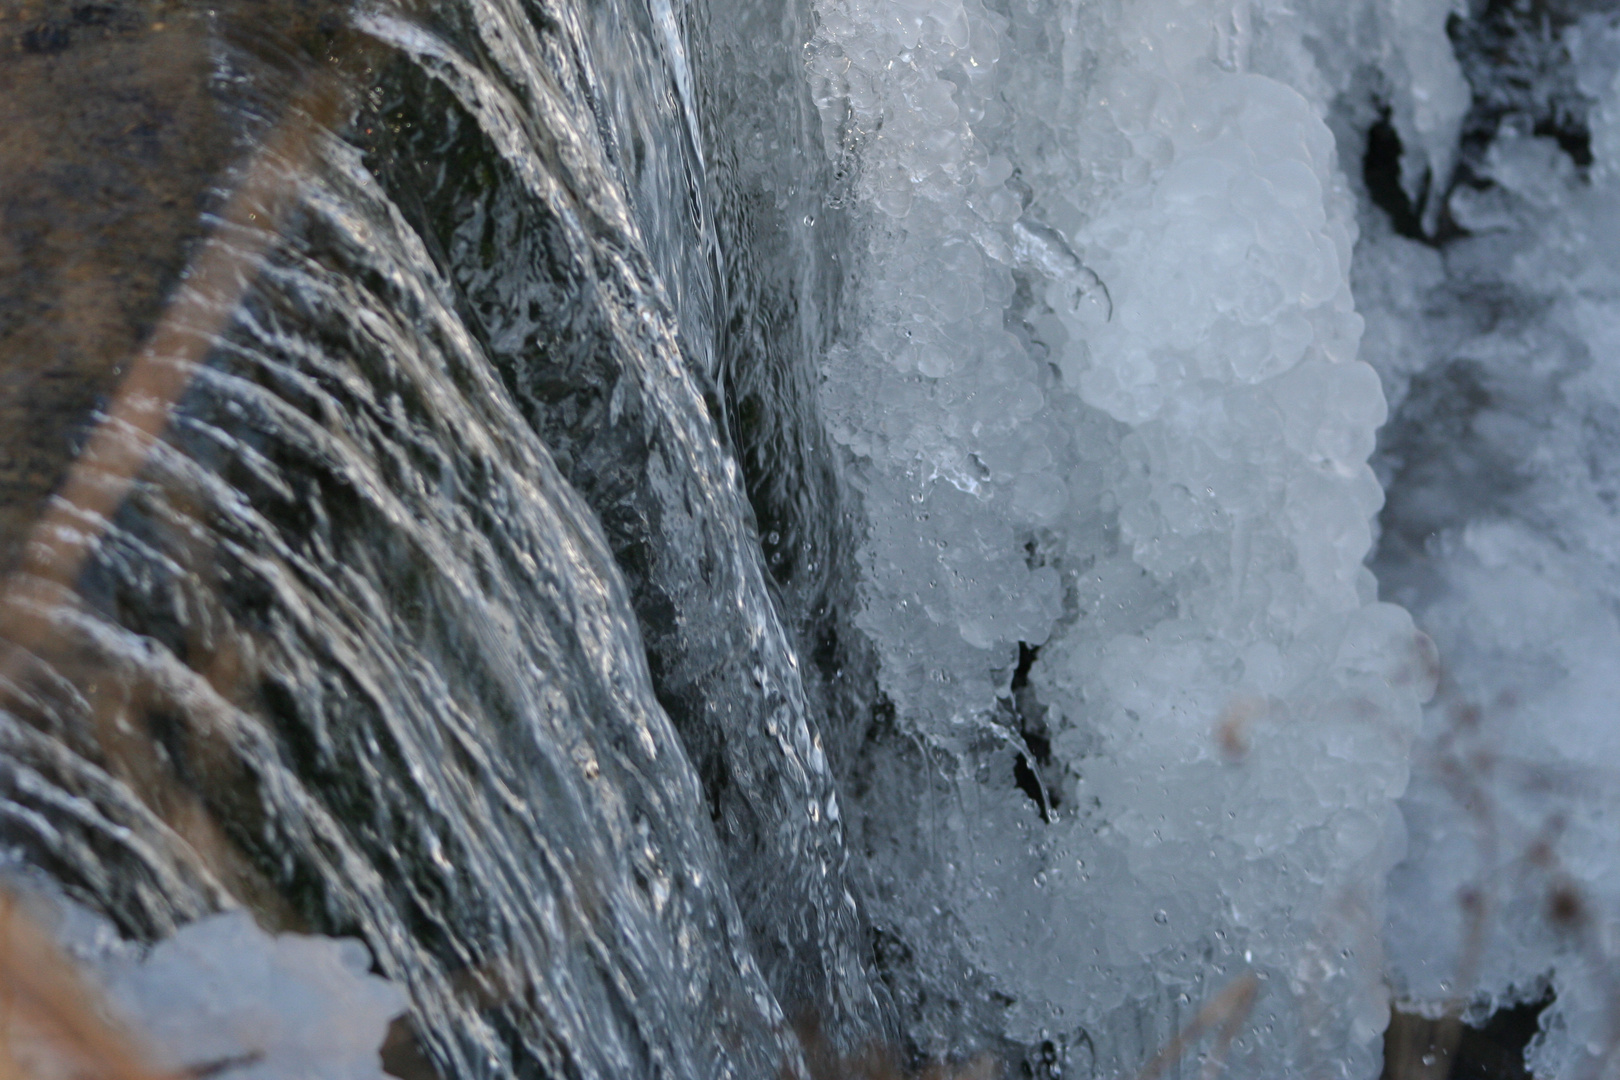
pixel 116 137
pixel 100 196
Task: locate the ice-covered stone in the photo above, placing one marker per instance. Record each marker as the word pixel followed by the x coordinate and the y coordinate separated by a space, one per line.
pixel 221 991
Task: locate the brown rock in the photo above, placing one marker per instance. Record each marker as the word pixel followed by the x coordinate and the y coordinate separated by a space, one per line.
pixel 110 139
pixel 115 138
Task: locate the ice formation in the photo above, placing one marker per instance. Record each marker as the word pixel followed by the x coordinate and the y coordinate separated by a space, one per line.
pixel 1112 425
pixel 275 1007
pixel 1107 413
pixel 1109 401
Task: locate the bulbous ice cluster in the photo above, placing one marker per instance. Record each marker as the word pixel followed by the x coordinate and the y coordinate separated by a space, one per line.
pixel 1104 402
pixel 945 402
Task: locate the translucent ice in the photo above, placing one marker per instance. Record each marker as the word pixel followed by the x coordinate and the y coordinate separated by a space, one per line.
pixel 1107 413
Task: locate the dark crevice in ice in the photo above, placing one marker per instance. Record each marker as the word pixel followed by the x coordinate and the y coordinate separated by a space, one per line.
pixel 1381 171
pixel 1030 784
pixel 1495 1050
pixel 1032 768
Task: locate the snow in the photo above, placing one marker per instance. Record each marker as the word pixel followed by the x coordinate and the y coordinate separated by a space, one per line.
pixel 1502 540
pixel 223 996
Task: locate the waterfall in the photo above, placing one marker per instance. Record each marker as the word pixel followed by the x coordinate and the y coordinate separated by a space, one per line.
pixel 738 538
pixel 438 602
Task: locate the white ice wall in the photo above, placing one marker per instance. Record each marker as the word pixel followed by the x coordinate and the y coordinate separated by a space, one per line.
pixel 1156 470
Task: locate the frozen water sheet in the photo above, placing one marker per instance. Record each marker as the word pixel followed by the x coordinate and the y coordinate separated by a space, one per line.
pixel 1105 406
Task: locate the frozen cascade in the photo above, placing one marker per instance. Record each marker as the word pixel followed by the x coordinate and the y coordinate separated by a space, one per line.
pixel 684 533
pixel 1107 414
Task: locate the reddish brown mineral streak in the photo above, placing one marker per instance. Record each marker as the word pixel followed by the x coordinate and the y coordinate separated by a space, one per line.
pixel 75 517
pixel 35 596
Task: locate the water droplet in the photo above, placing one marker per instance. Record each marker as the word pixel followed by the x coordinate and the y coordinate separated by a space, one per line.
pixel 809 220
pixel 1162 917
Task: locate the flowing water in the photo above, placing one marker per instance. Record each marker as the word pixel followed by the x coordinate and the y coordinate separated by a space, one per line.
pixel 438 615
pixel 685 524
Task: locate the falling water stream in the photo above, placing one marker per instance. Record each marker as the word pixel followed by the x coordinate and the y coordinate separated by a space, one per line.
pixel 437 615
pixel 716 535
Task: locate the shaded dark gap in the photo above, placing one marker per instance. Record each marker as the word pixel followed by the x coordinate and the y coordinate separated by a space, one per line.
pixel 1026 660
pixel 1030 717
pixel 1574 140
pixel 1521 77
pixel 1381 171
pixel 1513 56
pixel 1414 1046
pixel 1030 784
